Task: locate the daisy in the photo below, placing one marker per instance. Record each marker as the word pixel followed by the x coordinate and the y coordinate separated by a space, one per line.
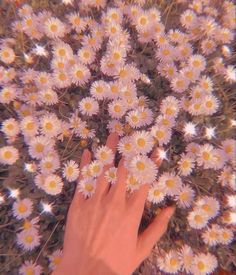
pixel 107 66
pixel 62 79
pixel 156 194
pixel 143 142
pixel 180 83
pixel 185 196
pixel 87 187
pixel 8 155
pixel 50 125
pixel 29 267
pixel 115 88
pixel 39 146
pixel 53 185
pixel 77 22
pixel 161 134
pixel 132 183
pixel 173 263
pixel 184 51
pixel 195 107
pixel 80 74
pixel 55 259
pixel 99 89
pixel 176 36
pixel 209 205
pixel 170 183
pixel 22 208
pixel 197 62
pixel 227 177
pixel 29 126
pixel 7 55
pixel 71 171
pixel 134 119
pixel 165 53
pixel 186 254
pixel 29 224
pixel 10 127
pixel 205 156
pixel 226 236
pixel 117 55
pixel 104 154
pixel 170 106
pixel 86 55
pixel 28 239
pixel 186 165
pixel 126 146
pixel 229 147
pixel 54 28
pixel 88 106
pixel 115 126
pixel 204 264
pixel 208 46
pixel 114 15
pixel 49 97
pixel 146 116
pixel 62 50
pixel 95 168
pixel 49 164
pixel 219 159
pixel 117 108
pixel 188 19
pixel 190 74
pixel 159 37
pixel 197 219
pixel 210 105
pixel 143 168
pixel 8 94
pixel 111 175
pixel 93 41
pixel 43 80
pixel 211 235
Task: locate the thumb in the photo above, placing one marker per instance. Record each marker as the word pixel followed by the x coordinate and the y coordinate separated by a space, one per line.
pixel 153 233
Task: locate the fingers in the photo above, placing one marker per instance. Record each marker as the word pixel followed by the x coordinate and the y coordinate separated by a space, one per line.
pixel 102 183
pixel 148 238
pixel 118 190
pixel 137 199
pixel 85 160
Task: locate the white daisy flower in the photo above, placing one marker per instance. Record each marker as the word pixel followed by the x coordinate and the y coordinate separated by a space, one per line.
pixel 186 254
pixel 211 235
pixel 7 55
pixel 22 208
pixel 143 142
pixel 8 155
pixel 29 267
pixel 134 119
pixel 132 183
pixel 50 125
pixel 197 219
pixel 209 205
pixel 54 28
pixel 99 89
pixel 156 194
pixel 40 146
pixel 53 185
pixel 80 74
pixel 29 126
pixel 43 80
pixel 171 262
pixel 28 239
pixel 205 156
pixel 48 97
pixel 71 171
pixel 229 147
pixel 188 19
pixel 117 108
pixel 170 183
pixel 161 134
pixel 88 106
pixel 197 62
pixel 186 165
pixel 10 127
pixel 143 168
pixel 210 105
pixel 8 94
pixel 111 175
pixel 104 154
pixel 55 259
pixel 87 187
pixel 226 236
pixel 86 55
pixel 61 79
pixel 49 164
pixel 126 146
pixel 170 106
pixel 95 168
pixel 62 50
pixel 185 196
pixel 204 264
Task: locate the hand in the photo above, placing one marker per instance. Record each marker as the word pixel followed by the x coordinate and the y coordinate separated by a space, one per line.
pixel 101 235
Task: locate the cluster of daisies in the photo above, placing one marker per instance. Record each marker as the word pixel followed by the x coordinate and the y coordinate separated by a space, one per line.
pixel 90 58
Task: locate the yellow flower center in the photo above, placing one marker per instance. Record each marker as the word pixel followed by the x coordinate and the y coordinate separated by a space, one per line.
pixel 170 183
pixel 198 219
pixel 141 142
pixel 89 187
pixel 143 21
pixel 104 155
pixel 117 108
pixel 87 105
pixel 52 184
pixel 209 104
pixel 22 208
pixel 62 77
pixel 201 266
pixel 184 196
pixel 62 52
pixel 173 262
pixel 160 134
pixel 140 165
pixel 169 111
pixel 30 126
pixel 29 239
pixel 157 192
pixel 79 74
pixel 206 207
pixel 48 126
pixel 8 155
pixel 53 27
pixel 206 156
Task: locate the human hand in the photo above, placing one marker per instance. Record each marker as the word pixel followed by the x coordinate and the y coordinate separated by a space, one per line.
pixel 101 235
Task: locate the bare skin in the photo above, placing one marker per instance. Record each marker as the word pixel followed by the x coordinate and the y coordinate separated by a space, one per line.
pixel 101 235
